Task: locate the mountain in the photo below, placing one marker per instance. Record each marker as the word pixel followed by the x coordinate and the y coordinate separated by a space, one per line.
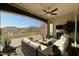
pixel 10 31
pixel 13 31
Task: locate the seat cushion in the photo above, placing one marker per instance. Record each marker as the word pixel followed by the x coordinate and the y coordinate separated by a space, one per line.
pixel 34 44
pixel 26 40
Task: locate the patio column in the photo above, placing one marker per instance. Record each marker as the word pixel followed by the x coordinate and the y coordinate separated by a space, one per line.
pixel 50 29
pixel 76 14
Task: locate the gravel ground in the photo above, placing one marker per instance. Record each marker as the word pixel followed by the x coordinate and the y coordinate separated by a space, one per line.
pixel 17 43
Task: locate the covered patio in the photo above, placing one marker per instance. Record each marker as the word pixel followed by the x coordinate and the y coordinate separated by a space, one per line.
pixel 55 15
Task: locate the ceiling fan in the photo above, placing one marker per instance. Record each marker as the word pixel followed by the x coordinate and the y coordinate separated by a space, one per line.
pixel 50 12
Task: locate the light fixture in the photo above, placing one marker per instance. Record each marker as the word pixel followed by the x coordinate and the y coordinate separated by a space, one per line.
pixel 48 14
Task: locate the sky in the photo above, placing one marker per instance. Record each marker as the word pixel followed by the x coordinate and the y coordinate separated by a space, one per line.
pixel 10 19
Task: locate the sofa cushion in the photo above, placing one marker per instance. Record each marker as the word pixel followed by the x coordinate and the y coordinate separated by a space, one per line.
pixel 42 47
pixel 26 40
pixel 34 44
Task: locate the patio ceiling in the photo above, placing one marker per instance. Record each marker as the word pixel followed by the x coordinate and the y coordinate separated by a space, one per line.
pixel 64 9
pixel 5 7
pixel 35 10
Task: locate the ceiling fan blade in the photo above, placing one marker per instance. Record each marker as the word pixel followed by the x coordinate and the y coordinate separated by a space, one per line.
pixel 42 14
pixel 54 10
pixel 45 11
pixel 53 14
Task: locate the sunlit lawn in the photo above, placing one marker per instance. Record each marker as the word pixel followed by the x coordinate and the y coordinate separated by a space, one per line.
pixel 0 37
pixel 19 35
